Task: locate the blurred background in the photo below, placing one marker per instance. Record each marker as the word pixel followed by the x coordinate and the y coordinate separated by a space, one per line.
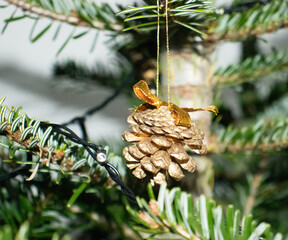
pixel 30 73
pixel 26 73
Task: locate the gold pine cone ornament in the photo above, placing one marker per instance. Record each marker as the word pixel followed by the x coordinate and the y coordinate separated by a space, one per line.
pixel 159 133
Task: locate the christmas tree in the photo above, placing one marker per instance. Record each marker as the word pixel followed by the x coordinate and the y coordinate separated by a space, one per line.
pixel 58 185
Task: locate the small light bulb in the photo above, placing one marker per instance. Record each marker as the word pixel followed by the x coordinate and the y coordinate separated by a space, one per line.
pixel 101 157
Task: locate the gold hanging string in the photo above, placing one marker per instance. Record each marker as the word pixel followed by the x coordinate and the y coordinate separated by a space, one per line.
pixel 158 48
pixel 167 48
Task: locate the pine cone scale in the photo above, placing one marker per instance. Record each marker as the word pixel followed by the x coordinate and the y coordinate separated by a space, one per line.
pixel 161 159
pixel 135 152
pixel 157 130
pixel 175 171
pixel 161 141
pixel 131 137
pixel 147 146
pixel 148 165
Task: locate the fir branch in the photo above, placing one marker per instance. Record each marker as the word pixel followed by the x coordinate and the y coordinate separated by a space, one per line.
pixel 263 135
pixel 173 215
pixel 77 15
pixel 49 147
pixel 181 13
pixel 252 68
pixel 256 21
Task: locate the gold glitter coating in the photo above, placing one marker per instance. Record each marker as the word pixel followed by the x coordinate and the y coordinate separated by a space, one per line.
pixel 160 151
pixel 160 131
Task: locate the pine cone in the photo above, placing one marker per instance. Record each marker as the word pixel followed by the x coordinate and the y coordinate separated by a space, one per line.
pixel 158 145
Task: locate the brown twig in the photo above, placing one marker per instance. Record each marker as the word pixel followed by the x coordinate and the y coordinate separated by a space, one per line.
pixel 242 34
pixel 237 78
pixel 72 19
pixel 257 179
pixel 16 137
pixel 216 147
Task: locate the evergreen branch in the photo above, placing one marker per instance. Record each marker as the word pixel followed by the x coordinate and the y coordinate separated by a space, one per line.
pixel 175 216
pixel 263 135
pixel 83 14
pixel 257 20
pixel 252 68
pixel 49 147
pixel 182 13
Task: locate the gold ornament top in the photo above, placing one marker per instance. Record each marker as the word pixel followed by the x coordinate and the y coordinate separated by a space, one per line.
pixel 180 115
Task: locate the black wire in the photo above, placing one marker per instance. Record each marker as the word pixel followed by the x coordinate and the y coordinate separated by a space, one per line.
pixel 100 106
pixel 21 170
pixel 93 150
pixel 124 188
pixel 107 100
pixel 113 172
pixel 83 129
pixel 81 119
